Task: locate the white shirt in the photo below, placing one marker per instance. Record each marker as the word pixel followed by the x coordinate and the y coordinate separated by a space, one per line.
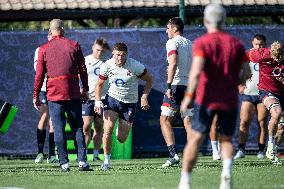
pixel 93 69
pixel 43 88
pixel 251 84
pixel 123 80
pixel 182 47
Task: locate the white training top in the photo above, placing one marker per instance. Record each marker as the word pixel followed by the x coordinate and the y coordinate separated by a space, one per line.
pixel 93 69
pixel 251 84
pixel 123 80
pixel 43 88
pixel 182 47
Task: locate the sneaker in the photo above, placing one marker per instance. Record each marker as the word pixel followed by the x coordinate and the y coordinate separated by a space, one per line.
pixel 226 181
pixel 239 154
pixel 84 166
pixel 270 151
pixel 276 161
pixel 65 167
pixel 184 186
pixel 216 156
pixel 260 155
pixel 105 166
pixel 52 159
pixel 39 158
pixel 171 161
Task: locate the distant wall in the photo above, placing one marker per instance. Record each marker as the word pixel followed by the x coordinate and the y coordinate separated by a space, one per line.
pixel 145 45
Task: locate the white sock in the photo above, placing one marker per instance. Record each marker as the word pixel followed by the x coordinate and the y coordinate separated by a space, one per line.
pixel 214 145
pixel 227 166
pixel 96 153
pixel 185 177
pixel 107 159
pixel 271 140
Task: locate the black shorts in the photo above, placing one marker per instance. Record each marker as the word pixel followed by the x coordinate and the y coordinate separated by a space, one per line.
pixel 254 99
pixel 42 97
pixel 203 118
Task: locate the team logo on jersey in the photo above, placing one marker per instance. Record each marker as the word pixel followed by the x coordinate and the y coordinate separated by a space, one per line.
pixel 129 73
pixel 256 67
pixel 119 82
pixel 97 71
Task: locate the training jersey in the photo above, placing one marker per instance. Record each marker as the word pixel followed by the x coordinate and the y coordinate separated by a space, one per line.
pixel 271 72
pixel 251 84
pixel 180 46
pixel 217 88
pixel 63 61
pixel 93 69
pixel 43 88
pixel 123 81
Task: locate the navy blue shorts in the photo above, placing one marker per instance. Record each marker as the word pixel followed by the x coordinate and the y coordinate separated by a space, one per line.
pixel 42 97
pixel 126 111
pixel 254 99
pixel 178 92
pixel 203 118
pixel 263 94
pixel 88 109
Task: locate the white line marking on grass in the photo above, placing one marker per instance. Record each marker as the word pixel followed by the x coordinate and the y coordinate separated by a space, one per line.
pixel 10 188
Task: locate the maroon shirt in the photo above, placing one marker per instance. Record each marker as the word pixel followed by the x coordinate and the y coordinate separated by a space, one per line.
pixel 218 81
pixel 62 59
pixel 270 72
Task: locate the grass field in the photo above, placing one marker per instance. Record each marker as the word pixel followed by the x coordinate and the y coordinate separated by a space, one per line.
pixel 249 173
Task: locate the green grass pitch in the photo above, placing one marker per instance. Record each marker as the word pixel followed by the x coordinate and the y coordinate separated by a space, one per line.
pixel 248 173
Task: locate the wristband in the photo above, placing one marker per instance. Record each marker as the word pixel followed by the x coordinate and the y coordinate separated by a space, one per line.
pixel 189 95
pixel 98 103
pixel 169 86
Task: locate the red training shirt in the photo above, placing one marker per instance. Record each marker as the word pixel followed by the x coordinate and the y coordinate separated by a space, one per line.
pixel 62 59
pixel 218 81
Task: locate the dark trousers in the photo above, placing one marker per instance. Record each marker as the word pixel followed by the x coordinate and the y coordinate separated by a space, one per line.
pixel 73 108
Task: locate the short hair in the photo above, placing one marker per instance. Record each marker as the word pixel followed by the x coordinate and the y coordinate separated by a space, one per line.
pixel 120 47
pixel 102 42
pixel 215 15
pixel 56 24
pixel 178 23
pixel 277 51
pixel 259 37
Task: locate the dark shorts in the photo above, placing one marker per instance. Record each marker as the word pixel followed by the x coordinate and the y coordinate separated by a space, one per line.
pixel 178 92
pixel 126 111
pixel 42 97
pixel 263 94
pixel 203 118
pixel 88 109
pixel 254 99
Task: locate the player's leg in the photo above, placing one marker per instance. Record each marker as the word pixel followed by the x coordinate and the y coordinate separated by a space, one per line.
pixel 272 103
pixel 88 118
pixel 51 145
pixel 214 138
pixel 227 124
pixel 97 136
pixel 262 129
pixel 74 112
pixel 110 118
pixel 246 114
pixel 200 127
pixel 41 128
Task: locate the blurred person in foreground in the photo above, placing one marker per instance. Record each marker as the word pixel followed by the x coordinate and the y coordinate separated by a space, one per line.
pixel 43 121
pixel 271 91
pixel 251 104
pixel 219 64
pixel 62 60
pixel 179 62
pixel 93 63
pixel 120 103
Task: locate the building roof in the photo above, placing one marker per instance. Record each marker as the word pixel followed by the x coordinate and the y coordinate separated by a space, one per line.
pixel 41 9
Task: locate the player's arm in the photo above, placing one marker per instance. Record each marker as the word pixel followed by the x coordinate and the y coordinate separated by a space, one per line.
pixel 39 78
pixel 149 81
pixel 245 71
pixel 99 88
